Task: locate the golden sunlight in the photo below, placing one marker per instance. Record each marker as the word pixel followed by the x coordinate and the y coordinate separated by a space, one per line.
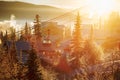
pixel 101 7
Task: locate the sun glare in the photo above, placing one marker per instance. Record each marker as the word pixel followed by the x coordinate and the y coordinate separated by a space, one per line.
pixel 101 7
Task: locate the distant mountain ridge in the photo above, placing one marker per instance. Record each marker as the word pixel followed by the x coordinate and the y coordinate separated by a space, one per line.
pixel 27 11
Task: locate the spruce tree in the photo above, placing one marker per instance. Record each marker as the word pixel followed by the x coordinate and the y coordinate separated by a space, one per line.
pixel 5 41
pixel 27 32
pixel 33 72
pixel 12 60
pixel 93 52
pixel 37 26
pixel 13 51
pixel 26 29
pixel 76 41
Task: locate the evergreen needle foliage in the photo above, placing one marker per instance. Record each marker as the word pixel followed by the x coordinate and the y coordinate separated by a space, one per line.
pixel 33 65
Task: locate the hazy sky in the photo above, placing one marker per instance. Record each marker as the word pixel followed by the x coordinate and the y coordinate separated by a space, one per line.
pixel 58 3
pixel 65 3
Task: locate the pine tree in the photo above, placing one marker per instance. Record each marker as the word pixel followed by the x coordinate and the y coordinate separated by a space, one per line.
pixel 26 29
pixel 12 61
pixel 13 51
pixel 4 42
pixel 33 72
pixel 37 26
pixel 76 41
pixel 93 52
pixel 13 34
pixel 27 32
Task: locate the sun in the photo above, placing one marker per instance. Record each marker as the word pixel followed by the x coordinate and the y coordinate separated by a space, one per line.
pixel 101 6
